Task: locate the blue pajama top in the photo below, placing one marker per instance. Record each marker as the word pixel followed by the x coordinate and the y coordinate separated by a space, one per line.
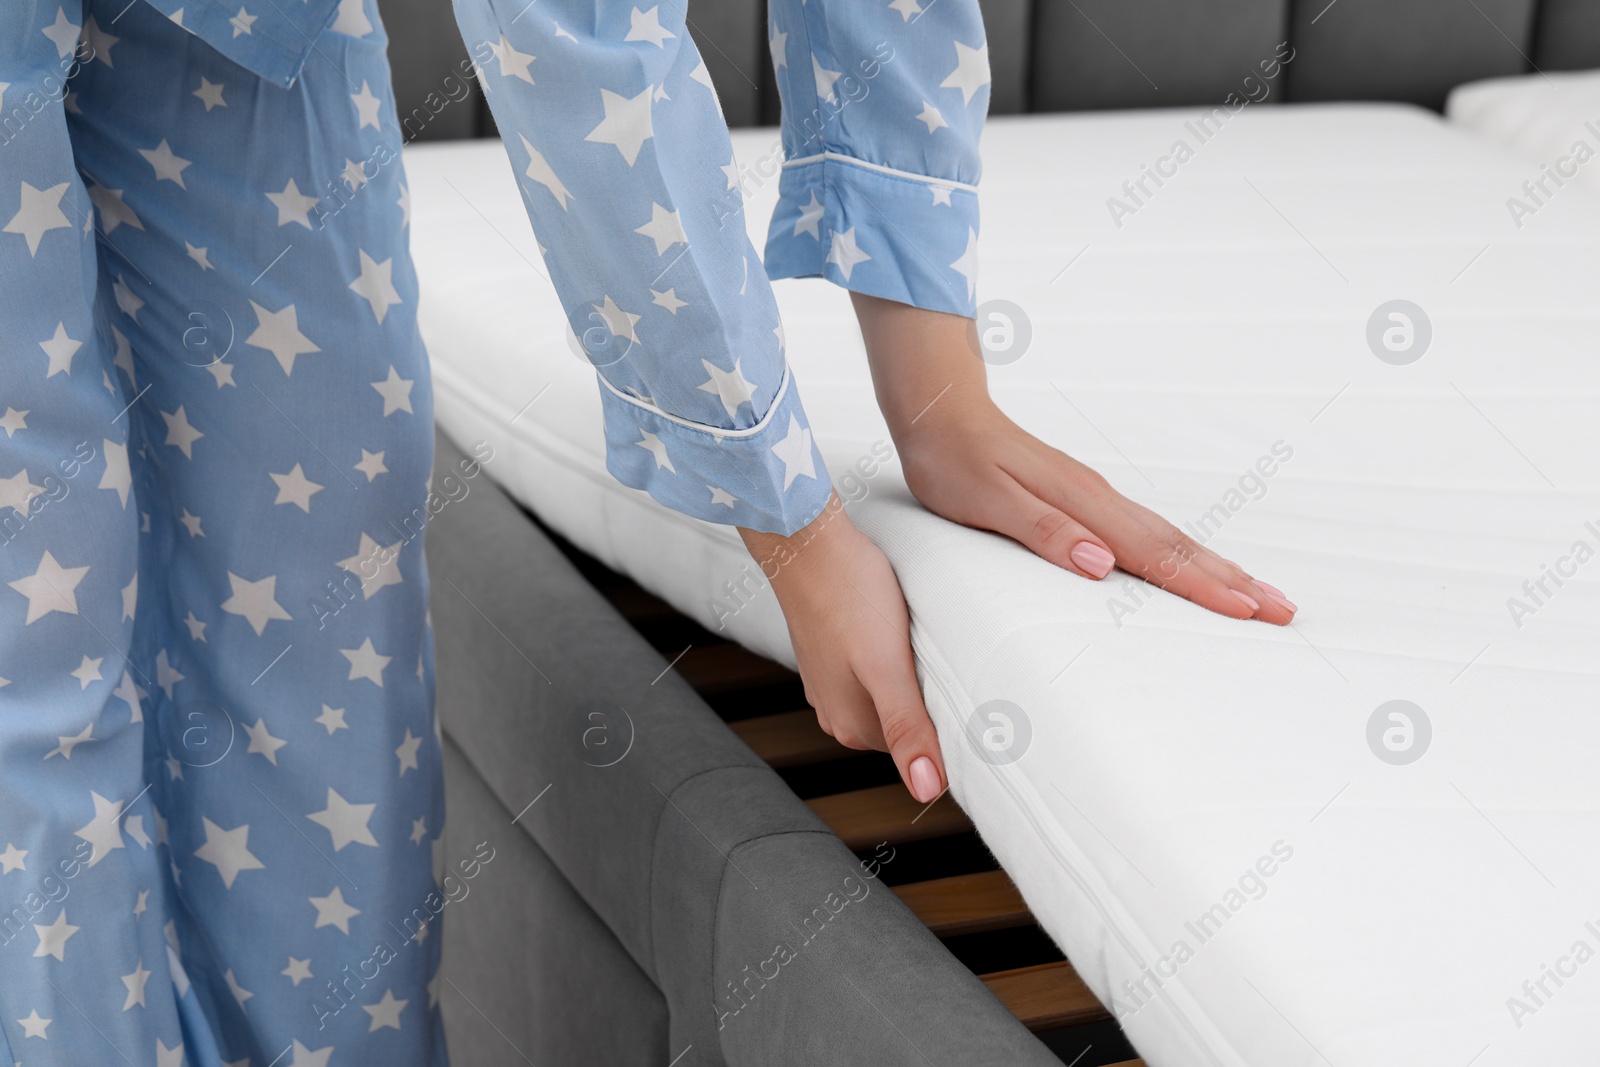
pixel 618 142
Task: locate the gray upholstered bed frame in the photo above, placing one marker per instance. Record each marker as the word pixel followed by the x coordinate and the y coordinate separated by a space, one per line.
pixel 622 900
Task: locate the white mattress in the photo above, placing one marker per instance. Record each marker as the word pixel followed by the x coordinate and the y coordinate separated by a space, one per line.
pixel 1170 748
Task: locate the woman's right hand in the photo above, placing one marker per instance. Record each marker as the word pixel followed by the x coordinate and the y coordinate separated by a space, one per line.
pixel 852 640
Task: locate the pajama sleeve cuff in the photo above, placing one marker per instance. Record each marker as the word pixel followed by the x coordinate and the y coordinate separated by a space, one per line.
pixel 878 231
pixel 768 477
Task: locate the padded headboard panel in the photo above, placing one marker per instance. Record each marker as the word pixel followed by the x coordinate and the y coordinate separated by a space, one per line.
pixel 1065 55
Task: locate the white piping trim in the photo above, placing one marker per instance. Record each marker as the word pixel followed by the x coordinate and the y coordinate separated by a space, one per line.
pixel 714 431
pixel 839 157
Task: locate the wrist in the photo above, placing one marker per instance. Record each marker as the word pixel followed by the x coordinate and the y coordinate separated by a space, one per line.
pixel 786 558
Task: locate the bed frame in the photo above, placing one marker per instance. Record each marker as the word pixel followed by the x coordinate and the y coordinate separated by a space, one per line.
pixel 627 894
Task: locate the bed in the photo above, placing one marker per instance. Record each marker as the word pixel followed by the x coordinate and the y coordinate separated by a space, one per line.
pixel 1322 346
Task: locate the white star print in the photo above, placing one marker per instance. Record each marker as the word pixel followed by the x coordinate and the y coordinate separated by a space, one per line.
pixel 256 601
pixel 298 970
pixel 931 118
pixel 50 588
pixel 345 822
pixel 540 171
pixel 825 79
pixel 16 491
pixel 371 464
pixel 180 432
pixel 967 265
pixel 295 488
pixel 941 195
pixel 619 322
pixel 135 983
pixel 304 1057
pixel 98 40
pixel 127 302
pixel 63 34
pixel 228 851
pixel 264 743
pixel 39 214
pixel 375 285
pixel 386 1012
pixel 89 671
pixel 405 206
pixel 166 675
pixel 279 333
pixel 778 44
pixel 242 22
pixel 657 448
pixel 34 1026
pixel 366 662
pixel 722 496
pixel 396 392
pixel 168 165
pixel 210 93
pixel 292 205
pixel 199 256
pixel 332 719
pixel 113 211
pixel 367 106
pixel 130 594
pixel 668 299
pixel 731 170
pixel 53 937
pixel 133 826
pixel 352 19
pixel 123 360
pixel 240 993
pixel 908 9
pixel 407 752
pixel 12 859
pixel 971 73
pixel 192 523
pixel 795 451
pixel 377 566
pixel 810 215
pixel 731 387
pixel 13 421
pixel 197 629
pixel 646 26
pixel 626 125
pixel 170 1057
pixel 142 903
pixel 129 693
pixel 67 744
pixel 844 253
pixel 664 228
pixel 60 349
pixel 118 476
pixel 222 372
pixel 513 64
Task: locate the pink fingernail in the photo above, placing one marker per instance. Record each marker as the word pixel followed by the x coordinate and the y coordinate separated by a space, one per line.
pixel 1246 601
pixel 1092 558
pixel 1274 590
pixel 924 780
pixel 1283 601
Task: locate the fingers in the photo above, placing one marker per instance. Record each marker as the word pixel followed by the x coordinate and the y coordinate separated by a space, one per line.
pixel 1152 548
pixel 1048 532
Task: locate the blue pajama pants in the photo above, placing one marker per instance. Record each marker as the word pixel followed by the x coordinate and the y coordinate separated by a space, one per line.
pixel 218 759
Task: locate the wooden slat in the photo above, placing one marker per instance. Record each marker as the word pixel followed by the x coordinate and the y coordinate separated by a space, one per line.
pixel 966 903
pixel 1046 996
pixel 1129 1063
pixel 726 668
pixel 789 739
pixel 866 817
pixel 639 607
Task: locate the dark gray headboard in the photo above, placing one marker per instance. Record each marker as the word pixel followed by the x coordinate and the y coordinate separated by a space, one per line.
pixel 1069 55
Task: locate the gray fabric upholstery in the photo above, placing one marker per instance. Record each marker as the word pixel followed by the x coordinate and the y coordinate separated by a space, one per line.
pixel 1413 50
pixel 523 949
pixel 1112 54
pixel 1568 35
pixel 435 102
pixel 660 841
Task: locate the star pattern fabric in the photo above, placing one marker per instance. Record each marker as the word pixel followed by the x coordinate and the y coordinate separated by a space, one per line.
pixel 218 435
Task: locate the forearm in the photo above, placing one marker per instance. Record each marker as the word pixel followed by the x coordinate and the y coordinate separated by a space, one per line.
pixel 927 371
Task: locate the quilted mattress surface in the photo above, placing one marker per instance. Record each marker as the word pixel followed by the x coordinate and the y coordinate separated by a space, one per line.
pixel 1320 345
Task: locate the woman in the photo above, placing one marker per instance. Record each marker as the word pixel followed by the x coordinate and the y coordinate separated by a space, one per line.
pixel 222 794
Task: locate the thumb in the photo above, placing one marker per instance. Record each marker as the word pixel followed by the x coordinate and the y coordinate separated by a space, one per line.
pixel 907 730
